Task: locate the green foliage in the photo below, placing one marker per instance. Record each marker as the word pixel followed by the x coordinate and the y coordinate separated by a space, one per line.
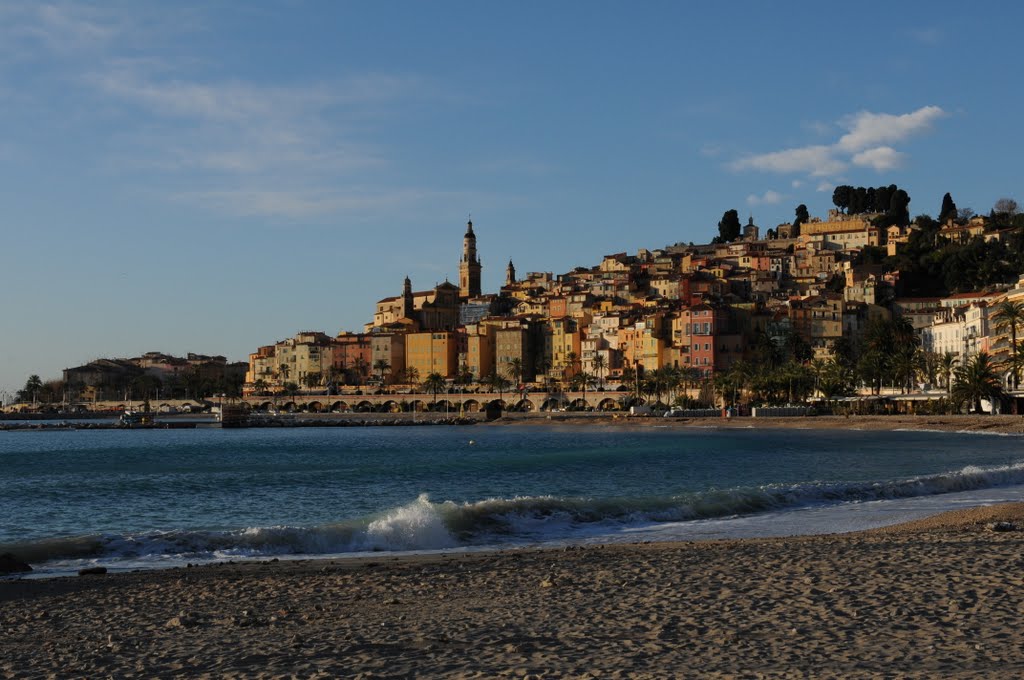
pixel 948 210
pixel 976 380
pixel 930 267
pixel 802 217
pixel 729 226
pixel 890 200
pixel 836 284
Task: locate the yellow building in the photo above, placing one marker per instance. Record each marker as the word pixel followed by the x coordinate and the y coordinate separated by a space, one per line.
pixel 562 337
pixel 479 357
pixel 432 352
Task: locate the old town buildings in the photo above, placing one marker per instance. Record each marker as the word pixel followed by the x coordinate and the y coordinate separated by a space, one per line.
pixel 698 308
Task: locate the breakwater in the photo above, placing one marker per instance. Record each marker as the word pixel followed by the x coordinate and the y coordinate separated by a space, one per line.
pixel 250 422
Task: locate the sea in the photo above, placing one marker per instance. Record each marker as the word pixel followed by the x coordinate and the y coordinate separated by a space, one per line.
pixel 145 499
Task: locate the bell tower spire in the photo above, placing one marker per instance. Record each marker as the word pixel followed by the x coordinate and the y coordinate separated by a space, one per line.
pixel 469 266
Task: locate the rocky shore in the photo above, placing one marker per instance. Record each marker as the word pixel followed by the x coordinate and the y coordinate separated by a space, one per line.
pixel 937 598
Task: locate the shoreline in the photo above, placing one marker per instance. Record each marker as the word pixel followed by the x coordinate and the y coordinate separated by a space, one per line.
pixel 994 424
pixel 991 424
pixel 936 596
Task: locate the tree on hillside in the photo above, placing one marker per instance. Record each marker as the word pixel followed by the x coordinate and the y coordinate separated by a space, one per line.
pixel 948 210
pixel 841 197
pixel 729 227
pixel 1003 212
pixel 899 204
pixel 802 217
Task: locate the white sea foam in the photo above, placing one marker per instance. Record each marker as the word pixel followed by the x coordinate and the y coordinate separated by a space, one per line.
pixel 423 525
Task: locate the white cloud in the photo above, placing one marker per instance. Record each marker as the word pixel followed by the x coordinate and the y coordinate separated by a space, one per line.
pixel 928 35
pixel 825 186
pixel 796 184
pixel 58 28
pixel 816 160
pixel 357 204
pixel 710 151
pixel 867 143
pixel 880 158
pixel 251 136
pixel 767 198
pixel 868 129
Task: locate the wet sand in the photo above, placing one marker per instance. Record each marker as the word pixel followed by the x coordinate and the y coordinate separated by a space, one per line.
pixel 939 597
pixel 1000 424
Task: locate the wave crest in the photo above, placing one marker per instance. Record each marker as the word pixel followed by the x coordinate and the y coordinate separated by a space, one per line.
pixel 425 525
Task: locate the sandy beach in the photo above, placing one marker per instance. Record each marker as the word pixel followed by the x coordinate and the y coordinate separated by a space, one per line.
pixel 939 597
pixel 998 424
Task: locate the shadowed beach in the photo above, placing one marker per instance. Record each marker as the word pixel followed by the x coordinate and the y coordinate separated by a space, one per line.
pixel 938 597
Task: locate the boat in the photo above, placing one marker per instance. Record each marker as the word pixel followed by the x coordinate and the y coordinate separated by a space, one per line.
pixel 132 418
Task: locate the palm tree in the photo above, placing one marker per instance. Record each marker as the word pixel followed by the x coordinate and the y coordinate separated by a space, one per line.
pixel 836 380
pixel 905 364
pixel 948 362
pixel 435 383
pixel 818 366
pixel 412 375
pixel 599 366
pixel 260 386
pixel 571 359
pixel 629 377
pixel 498 383
pixel 360 368
pixel 33 385
pixel 1010 315
pixel 977 379
pixel 381 366
pixel 543 365
pixel 515 369
pixel 580 381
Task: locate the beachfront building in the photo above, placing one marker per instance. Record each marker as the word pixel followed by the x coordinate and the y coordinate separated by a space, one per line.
pixel 429 352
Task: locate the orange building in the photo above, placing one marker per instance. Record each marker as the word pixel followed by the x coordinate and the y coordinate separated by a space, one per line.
pixel 432 352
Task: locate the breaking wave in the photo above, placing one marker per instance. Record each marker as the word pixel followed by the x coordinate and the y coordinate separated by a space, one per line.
pixel 426 525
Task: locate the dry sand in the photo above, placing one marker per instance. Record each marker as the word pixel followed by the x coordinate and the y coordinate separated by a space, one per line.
pixel 937 598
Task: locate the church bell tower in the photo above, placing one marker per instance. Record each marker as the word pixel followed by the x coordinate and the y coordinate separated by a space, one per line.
pixel 469 266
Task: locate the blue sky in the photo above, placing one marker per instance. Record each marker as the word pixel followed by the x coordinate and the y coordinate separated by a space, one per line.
pixel 218 176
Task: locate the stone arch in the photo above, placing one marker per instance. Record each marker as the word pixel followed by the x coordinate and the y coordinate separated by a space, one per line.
pixel 500 403
pixel 442 405
pixel 524 405
pixel 471 406
pixel 339 407
pixel 315 407
pixel 608 404
pixel 550 404
pixel 290 407
pixel 363 407
pixel 578 405
pixel 266 406
pixel 417 405
pixel 390 406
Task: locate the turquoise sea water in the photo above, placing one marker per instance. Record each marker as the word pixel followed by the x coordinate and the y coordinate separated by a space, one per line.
pixel 166 497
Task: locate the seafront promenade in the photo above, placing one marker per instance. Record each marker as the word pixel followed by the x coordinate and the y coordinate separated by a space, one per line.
pixel 392 402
